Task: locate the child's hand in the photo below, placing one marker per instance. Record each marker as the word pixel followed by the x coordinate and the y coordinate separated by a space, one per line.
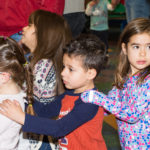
pixel 12 110
pixel 110 7
pixel 92 3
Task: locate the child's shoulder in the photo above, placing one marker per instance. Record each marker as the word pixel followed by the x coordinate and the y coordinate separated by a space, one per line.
pixel 147 78
pixel 146 83
pixel 44 61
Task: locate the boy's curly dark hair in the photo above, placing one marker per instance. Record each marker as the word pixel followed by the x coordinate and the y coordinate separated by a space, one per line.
pixel 90 49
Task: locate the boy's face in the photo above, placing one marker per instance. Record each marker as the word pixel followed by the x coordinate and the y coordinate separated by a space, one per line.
pixel 75 76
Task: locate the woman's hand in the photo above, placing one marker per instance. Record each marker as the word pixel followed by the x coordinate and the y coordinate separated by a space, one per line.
pixel 12 110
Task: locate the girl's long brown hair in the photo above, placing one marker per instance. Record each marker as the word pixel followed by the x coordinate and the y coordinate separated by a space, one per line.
pixel 137 26
pixel 52 33
pixel 12 60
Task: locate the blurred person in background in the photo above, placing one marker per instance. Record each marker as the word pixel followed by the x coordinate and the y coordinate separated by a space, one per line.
pixel 14 14
pixel 75 16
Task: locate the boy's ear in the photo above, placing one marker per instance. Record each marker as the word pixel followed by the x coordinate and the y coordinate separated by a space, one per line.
pixel 124 48
pixel 92 74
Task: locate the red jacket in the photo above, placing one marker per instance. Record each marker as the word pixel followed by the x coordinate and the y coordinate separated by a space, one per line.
pixel 14 13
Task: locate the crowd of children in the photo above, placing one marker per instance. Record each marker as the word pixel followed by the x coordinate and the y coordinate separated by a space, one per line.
pixel 56 60
pixel 83 59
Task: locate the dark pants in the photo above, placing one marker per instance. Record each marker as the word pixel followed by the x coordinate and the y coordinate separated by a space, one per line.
pixel 76 22
pixel 103 35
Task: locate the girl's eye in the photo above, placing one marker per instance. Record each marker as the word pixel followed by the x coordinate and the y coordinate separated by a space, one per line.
pixel 135 46
pixel 148 47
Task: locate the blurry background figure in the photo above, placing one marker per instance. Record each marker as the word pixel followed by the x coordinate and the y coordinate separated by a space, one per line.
pixel 98 12
pixel 75 16
pixel 18 12
pixel 14 14
pixel 137 8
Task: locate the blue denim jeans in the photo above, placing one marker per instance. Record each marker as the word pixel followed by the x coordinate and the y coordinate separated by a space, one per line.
pixel 137 8
pixel 76 22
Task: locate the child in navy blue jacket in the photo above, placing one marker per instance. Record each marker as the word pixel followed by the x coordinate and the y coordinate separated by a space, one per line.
pixel 79 125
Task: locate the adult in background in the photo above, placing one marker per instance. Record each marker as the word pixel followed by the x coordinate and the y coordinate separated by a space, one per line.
pixel 137 9
pixel 75 16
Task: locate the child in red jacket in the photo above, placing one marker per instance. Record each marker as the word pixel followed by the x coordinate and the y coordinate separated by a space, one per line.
pixel 79 125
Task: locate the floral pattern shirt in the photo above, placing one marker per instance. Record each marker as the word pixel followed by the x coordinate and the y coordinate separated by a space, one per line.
pixel 44 90
pixel 44 81
pixel 131 106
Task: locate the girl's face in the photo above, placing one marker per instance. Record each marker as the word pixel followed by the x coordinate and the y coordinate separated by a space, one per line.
pixel 29 37
pixel 138 52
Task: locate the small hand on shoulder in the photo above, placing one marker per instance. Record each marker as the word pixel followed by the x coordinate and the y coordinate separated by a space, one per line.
pixel 12 110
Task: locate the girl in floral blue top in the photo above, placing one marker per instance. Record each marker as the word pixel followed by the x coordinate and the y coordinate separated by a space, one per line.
pixel 129 100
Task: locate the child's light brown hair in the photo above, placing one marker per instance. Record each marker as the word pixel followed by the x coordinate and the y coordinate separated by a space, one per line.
pixel 12 60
